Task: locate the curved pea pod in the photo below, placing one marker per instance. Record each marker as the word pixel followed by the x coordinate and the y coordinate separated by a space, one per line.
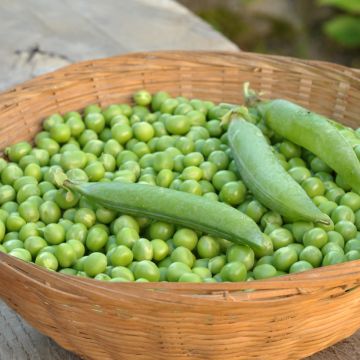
pixel 176 207
pixel 266 178
pixel 315 133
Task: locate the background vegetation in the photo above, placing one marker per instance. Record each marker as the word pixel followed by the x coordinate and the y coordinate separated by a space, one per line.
pixel 311 29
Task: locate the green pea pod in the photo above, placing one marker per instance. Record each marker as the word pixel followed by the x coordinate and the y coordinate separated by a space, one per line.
pixel 176 207
pixel 266 178
pixel 316 134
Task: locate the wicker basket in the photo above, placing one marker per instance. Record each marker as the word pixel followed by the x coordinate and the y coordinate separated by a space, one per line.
pixel 285 318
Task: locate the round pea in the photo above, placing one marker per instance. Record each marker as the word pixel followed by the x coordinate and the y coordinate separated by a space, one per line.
pixel 300 266
pixel 312 255
pixel 313 186
pixel 96 239
pixel 184 255
pixel 281 237
pixel 233 271
pixel 316 237
pixel 347 229
pixel 177 124
pixel 264 271
pixel 47 260
pixel 241 253
pixel 176 270
pixel 283 258
pixel 95 264
pixel 208 247
pixel 333 257
pixel 147 270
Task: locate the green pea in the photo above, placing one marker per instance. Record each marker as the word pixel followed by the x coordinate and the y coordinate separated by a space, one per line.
pixel 347 229
pixel 336 238
pixel 49 212
pixel 352 200
pixel 95 171
pixel 331 247
pixel 324 176
pixel 186 238
pixel 254 209
pixel 14 222
pixel 222 177
pixel 124 221
pixel 193 159
pixel 66 224
pixel 300 266
pixel 299 174
pixel 3 217
pixel 289 149
pixel 34 171
pixel 7 193
pixel 191 186
pixel 28 159
pixel 209 170
pixel 284 258
pixel 333 257
pixel 142 97
pixel 209 146
pixel 341 183
pixel 352 244
pixel 220 159
pixel 281 238
pixel 54 234
pixel 296 161
pixel 264 271
pixel 11 173
pixel 328 207
pixel 47 260
pixel 176 270
pixel 313 186
pixel 95 264
pixel 299 229
pixel 85 216
pixel 147 270
pixel 335 194
pixel 10 207
pixel 164 178
pixel 177 124
pixel 191 173
pixel 160 249
pixel 161 230
pixel 29 211
pixel 352 255
pixel 271 217
pixel 142 249
pixel 241 253
pixel 214 128
pixel 312 255
pixel 78 232
pixel 342 212
pixel 316 237
pixel 233 271
pixel 95 122
pixel 317 165
pixel 26 191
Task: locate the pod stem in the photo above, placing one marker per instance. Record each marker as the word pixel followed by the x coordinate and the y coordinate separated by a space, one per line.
pixel 240 112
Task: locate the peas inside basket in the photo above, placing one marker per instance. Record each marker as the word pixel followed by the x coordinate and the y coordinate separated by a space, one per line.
pixel 284 317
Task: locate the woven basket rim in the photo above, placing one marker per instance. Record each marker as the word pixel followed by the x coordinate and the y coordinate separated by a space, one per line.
pixel 336 68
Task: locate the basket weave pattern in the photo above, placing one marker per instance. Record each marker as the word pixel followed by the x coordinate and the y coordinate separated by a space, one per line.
pixel 286 318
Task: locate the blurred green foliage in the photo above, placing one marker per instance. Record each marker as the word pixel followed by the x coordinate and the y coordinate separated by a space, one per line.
pixel 311 29
pixel 344 28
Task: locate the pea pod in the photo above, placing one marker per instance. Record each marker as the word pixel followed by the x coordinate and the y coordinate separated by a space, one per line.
pixel 265 177
pixel 176 207
pixel 312 131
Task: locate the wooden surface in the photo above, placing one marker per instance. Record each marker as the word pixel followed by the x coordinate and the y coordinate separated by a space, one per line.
pixel 39 36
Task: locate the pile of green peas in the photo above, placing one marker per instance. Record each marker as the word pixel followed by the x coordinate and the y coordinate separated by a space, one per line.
pixel 170 142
